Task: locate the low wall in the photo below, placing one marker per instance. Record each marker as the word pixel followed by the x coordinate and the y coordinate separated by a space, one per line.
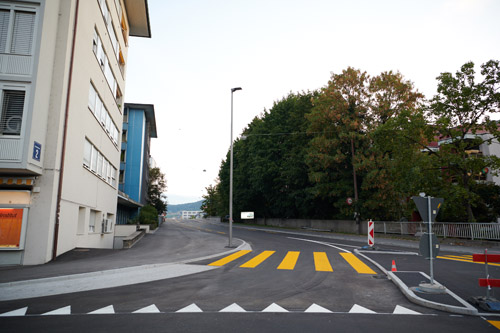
pixel 123 230
pixel 345 226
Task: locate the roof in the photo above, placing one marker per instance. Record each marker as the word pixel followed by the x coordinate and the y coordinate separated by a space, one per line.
pixel 138 18
pixel 149 110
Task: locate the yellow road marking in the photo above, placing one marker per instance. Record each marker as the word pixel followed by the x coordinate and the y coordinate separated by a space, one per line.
pixel 220 232
pixel 229 258
pixel 252 263
pixel 357 264
pixel 321 262
pixel 460 257
pixel 465 260
pixel 290 260
pixel 495 323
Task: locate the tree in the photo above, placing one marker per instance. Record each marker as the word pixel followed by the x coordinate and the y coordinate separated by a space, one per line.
pixel 156 187
pixel 210 202
pixel 460 114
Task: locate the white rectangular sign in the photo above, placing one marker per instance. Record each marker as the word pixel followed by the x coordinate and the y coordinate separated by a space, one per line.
pixel 247 215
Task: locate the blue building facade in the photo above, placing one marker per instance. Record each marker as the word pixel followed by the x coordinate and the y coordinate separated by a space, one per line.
pixel 139 126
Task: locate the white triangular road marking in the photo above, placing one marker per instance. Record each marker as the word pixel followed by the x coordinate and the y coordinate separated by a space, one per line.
pixel 148 309
pixel 274 308
pixel 105 310
pixel 18 312
pixel 190 308
pixel 360 309
pixel 62 311
pixel 233 308
pixel 402 310
pixel 315 308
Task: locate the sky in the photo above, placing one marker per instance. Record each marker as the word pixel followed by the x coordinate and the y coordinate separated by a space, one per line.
pixel 199 50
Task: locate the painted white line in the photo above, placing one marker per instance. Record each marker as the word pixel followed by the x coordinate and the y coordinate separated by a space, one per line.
pixel 274 308
pixel 148 309
pixel 322 243
pixel 315 308
pixel 61 311
pixel 360 309
pixel 105 310
pixel 402 310
pixel 233 308
pixel 190 308
pixel 15 313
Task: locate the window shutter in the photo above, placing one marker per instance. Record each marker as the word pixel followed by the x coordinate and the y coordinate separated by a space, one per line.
pixel 4 29
pixel 12 112
pixel 22 37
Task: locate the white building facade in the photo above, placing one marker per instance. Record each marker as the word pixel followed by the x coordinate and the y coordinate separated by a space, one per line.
pixel 62 80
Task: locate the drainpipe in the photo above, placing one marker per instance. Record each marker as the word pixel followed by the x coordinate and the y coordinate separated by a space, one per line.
pixel 65 133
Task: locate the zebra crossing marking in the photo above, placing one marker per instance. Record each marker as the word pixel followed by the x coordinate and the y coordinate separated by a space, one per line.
pixel 229 258
pixel 290 260
pixel 321 262
pixel 257 260
pixel 193 308
pixel 357 264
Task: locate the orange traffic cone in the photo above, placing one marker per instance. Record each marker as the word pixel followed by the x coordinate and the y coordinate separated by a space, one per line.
pixel 393 268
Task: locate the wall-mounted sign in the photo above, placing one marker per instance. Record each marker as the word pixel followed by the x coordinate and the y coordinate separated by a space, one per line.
pixel 247 215
pixel 37 151
pixel 11 222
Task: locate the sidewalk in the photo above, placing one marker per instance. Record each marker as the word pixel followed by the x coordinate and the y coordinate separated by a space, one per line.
pixel 161 255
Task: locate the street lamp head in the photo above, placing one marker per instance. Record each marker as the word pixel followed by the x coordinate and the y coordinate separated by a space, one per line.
pixel 234 89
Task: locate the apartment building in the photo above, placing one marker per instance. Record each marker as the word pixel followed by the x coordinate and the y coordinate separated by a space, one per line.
pixel 139 126
pixel 62 79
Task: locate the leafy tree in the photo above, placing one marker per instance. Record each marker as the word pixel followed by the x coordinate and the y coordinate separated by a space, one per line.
pixel 461 119
pixel 156 187
pixel 209 205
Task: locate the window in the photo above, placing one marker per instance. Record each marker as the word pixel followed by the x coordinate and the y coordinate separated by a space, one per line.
pixel 12 112
pixel 102 115
pixel 16 31
pixel 92 218
pixel 87 153
pixel 98 164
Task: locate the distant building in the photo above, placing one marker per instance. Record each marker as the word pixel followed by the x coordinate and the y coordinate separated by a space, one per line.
pixel 193 214
pixel 62 78
pixel 139 126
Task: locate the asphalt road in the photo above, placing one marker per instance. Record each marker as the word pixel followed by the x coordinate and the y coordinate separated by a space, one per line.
pixel 343 291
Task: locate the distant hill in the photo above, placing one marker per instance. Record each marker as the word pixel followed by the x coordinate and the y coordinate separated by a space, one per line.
pixel 171 209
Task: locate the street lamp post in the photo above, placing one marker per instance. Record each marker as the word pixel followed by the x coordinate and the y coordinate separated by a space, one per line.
pixel 231 175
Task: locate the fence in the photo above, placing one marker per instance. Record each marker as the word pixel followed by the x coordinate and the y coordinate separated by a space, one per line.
pixel 486 231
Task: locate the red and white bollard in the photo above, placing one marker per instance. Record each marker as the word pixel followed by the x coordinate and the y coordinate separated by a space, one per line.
pixel 371 233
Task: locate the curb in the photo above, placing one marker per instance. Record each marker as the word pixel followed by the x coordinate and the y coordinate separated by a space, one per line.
pixel 466 310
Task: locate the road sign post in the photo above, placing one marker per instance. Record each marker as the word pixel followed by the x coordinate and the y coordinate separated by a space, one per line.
pixel 371 233
pixel 428 207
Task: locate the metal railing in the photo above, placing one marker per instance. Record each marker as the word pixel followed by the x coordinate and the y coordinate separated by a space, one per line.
pixel 474 231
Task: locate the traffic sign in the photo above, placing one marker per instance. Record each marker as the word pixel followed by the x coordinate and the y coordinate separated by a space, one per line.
pixel 423 207
pixel 349 201
pixel 425 248
pixel 371 233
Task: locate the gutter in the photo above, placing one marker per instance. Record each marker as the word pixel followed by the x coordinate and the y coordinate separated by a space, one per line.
pixel 65 134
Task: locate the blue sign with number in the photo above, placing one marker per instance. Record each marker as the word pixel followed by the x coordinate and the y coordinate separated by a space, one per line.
pixel 37 151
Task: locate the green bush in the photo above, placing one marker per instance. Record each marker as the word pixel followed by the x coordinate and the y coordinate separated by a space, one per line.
pixel 149 215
